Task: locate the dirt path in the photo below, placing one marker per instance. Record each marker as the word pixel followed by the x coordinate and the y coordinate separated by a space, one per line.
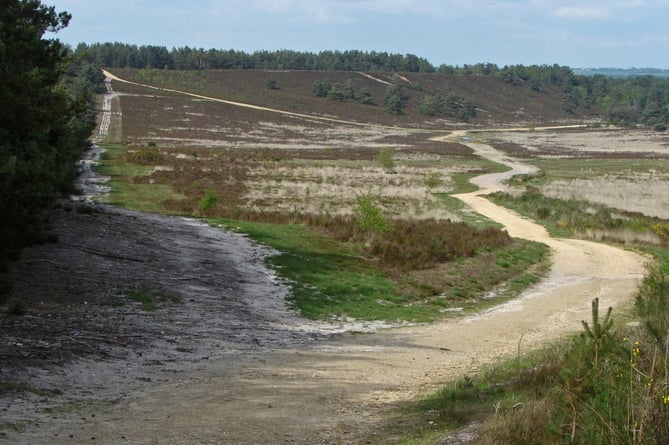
pixel 246 105
pixel 296 388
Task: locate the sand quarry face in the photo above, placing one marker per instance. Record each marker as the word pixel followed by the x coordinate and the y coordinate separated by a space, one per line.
pixel 231 364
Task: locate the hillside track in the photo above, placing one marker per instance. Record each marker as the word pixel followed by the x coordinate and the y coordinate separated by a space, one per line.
pixel 342 389
pixel 245 105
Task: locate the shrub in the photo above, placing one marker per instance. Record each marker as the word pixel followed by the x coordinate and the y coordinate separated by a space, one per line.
pixel 145 156
pixel 385 158
pixel 411 245
pixel 433 180
pixel 208 202
pixel 394 100
pixel 369 217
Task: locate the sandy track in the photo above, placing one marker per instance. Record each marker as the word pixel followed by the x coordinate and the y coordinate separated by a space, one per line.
pixel 244 105
pixel 341 390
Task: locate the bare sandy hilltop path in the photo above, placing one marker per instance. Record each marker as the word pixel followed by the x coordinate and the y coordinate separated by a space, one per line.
pixel 341 390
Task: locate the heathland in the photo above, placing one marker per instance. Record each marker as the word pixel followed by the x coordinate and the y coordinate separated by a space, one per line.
pixel 359 183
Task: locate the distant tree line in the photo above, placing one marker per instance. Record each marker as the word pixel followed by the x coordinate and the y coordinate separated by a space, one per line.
pixel 121 55
pixel 622 101
pixel 642 100
pixel 46 118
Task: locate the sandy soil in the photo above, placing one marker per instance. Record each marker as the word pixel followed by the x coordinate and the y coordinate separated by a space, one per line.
pixel 275 377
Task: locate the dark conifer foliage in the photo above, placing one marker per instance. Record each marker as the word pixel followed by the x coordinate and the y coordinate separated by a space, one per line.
pixel 43 126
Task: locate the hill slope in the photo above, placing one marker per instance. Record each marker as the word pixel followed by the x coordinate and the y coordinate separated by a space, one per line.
pixel 496 101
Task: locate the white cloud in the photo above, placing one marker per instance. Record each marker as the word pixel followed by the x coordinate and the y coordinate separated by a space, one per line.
pixel 581 12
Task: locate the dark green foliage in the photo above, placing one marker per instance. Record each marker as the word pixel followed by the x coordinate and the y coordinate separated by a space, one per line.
pixel 208 202
pixel 342 93
pixel 321 88
pixel 122 55
pixel 448 105
pixel 652 303
pixel 394 100
pixel 43 129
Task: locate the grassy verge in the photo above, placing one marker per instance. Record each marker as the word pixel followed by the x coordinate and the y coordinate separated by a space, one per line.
pixel 609 385
pixel 332 278
pixel 461 184
pixel 567 218
pixel 130 187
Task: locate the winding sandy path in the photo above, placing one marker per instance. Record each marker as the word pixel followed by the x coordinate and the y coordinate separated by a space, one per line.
pixel 342 390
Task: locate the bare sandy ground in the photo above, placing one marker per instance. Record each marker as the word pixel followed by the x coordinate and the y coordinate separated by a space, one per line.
pixel 340 390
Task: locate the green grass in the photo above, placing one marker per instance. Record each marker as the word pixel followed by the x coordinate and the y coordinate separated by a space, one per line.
pixel 150 300
pixel 614 390
pixel 329 278
pixel 460 184
pixel 553 169
pixel 565 218
pixel 332 279
pixel 126 190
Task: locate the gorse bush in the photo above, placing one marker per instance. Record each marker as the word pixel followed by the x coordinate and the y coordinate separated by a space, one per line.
pixel 208 202
pixel 369 217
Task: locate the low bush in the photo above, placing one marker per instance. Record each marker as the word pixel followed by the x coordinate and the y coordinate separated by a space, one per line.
pixel 610 385
pixel 145 156
pixel 582 218
pixel 207 202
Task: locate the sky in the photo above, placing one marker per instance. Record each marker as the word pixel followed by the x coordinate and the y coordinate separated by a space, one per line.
pixel 579 34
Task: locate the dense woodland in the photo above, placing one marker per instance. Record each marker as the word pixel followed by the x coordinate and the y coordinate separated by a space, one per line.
pixel 46 117
pixel 622 101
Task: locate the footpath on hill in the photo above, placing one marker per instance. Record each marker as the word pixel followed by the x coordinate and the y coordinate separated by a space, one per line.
pixel 217 382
